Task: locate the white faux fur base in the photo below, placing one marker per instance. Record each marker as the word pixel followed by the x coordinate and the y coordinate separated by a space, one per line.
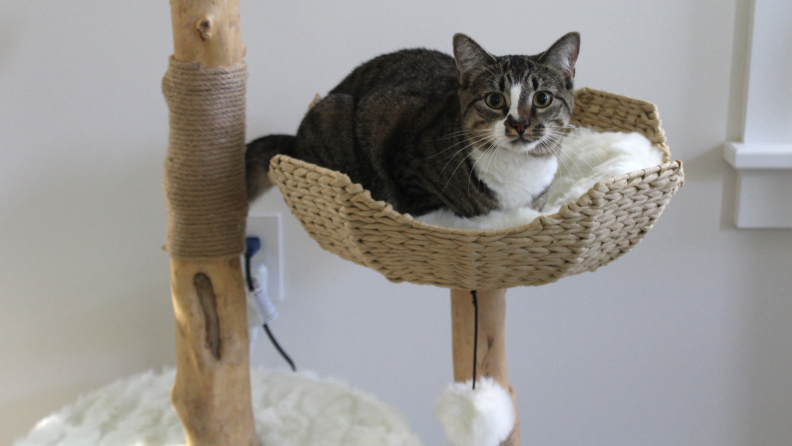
pixel 289 410
pixel 481 417
pixel 587 157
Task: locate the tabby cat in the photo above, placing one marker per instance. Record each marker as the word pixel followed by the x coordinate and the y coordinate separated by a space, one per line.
pixel 425 131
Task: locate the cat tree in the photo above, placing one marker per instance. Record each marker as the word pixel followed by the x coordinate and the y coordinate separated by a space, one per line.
pixel 207 207
pixel 204 183
pixel 602 225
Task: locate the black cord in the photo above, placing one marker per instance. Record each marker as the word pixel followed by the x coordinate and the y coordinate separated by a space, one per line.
pixel 271 337
pixel 475 335
pixel 249 276
pixel 278 347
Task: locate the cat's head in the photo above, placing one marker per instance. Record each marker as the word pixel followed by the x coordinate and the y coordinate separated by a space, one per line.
pixel 517 103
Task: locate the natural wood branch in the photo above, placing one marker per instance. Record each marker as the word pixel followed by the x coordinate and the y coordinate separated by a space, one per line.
pixel 491 354
pixel 207 31
pixel 211 393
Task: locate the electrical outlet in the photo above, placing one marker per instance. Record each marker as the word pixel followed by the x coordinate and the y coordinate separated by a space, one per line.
pixel 267 227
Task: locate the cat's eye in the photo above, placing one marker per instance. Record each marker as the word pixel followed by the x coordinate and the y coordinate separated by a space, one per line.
pixel 542 99
pixel 495 100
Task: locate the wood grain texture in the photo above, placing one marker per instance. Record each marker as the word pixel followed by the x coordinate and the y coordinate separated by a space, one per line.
pixel 491 354
pixel 211 392
pixel 208 300
pixel 207 31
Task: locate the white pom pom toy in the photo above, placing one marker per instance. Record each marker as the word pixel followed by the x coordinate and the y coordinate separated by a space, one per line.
pixel 481 417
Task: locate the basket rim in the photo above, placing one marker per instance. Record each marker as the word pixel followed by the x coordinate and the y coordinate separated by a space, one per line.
pixel 386 209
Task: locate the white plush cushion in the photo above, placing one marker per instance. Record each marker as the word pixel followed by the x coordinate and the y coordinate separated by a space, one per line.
pixel 587 157
pixel 289 409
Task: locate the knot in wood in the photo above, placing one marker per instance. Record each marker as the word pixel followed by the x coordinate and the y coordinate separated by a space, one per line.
pixel 205 29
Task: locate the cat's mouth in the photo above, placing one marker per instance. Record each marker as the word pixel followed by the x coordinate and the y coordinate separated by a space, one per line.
pixel 522 144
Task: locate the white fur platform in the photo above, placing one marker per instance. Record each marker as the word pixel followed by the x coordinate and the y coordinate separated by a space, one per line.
pixel 481 417
pixel 289 409
pixel 587 157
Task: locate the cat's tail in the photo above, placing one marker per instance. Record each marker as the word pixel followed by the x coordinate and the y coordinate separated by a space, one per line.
pixel 257 160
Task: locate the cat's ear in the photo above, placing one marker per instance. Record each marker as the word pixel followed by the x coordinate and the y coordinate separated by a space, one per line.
pixel 469 55
pixel 563 54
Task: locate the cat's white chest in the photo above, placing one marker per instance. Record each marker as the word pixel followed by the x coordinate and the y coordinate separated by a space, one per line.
pixel 516 178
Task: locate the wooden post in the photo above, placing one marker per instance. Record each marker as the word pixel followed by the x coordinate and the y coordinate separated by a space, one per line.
pixel 491 354
pixel 211 393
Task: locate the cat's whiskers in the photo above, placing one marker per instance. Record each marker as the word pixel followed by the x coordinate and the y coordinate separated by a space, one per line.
pixel 480 140
pixel 491 152
pixel 489 140
pixel 492 147
pixel 566 165
pixel 495 153
pixel 554 145
pixel 484 138
pixel 464 140
pixel 573 161
pixel 458 133
pixel 555 149
pixel 572 143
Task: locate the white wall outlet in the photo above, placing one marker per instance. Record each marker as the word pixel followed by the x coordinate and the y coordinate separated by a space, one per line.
pixel 267 227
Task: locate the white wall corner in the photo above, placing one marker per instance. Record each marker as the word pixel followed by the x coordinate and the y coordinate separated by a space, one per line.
pixel 764 184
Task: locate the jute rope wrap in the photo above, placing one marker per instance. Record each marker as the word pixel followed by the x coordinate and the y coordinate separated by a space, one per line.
pixel 599 227
pixel 205 166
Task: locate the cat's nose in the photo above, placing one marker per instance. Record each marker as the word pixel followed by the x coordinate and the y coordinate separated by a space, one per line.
pixel 519 126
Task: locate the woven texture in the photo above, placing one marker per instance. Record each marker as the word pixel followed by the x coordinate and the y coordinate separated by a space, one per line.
pixel 205 166
pixel 606 222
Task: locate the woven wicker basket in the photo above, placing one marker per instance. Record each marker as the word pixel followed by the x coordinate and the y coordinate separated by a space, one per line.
pixel 606 222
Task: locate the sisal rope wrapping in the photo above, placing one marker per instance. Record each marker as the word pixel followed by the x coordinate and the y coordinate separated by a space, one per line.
pixel 205 166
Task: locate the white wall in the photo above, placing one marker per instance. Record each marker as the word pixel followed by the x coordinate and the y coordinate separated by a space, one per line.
pixel 769 103
pixel 685 341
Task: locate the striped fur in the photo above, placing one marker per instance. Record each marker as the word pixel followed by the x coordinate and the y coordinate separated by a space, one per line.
pixel 414 127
